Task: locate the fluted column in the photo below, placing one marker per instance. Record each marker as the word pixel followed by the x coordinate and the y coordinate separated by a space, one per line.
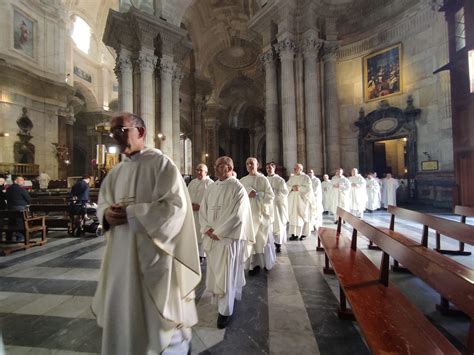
pixel 286 48
pixel 331 107
pixel 146 64
pixel 271 108
pixel 176 126
pixel 312 99
pixel 166 69
pixel 123 70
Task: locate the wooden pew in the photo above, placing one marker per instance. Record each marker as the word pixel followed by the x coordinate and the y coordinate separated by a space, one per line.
pixel 57 215
pixel 389 323
pixel 464 212
pixel 30 226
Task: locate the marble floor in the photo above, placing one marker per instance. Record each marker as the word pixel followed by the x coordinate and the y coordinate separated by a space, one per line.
pixel 45 294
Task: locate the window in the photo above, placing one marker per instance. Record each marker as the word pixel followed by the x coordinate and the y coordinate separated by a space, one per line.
pixel 81 35
pixel 471 69
pixel 460 29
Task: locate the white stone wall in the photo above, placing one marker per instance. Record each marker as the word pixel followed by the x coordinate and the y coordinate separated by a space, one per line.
pixel 424 46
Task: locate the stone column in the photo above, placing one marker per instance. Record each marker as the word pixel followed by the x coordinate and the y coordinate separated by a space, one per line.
pixel 146 63
pixel 272 130
pixel 200 105
pixel 331 107
pixel 176 126
pixel 211 134
pixel 312 99
pixel 124 71
pixel 286 48
pixel 166 69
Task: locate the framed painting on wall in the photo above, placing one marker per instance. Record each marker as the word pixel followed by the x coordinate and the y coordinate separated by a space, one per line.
pixel 382 73
pixel 22 33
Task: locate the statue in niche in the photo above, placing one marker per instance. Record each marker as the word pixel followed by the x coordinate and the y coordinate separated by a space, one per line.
pixel 24 151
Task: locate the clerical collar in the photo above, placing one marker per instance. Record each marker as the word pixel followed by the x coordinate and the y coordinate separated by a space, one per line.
pixel 135 156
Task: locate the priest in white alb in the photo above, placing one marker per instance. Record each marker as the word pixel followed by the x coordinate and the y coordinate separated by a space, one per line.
pixel 300 187
pixel 145 295
pixel 280 206
pixel 226 222
pixel 196 189
pixel 358 194
pixel 389 190
pixel 373 193
pixel 326 188
pixel 340 193
pixel 261 198
pixel 316 207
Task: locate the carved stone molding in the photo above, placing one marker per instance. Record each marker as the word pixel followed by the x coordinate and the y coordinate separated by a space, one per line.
pixel 122 62
pixel 146 62
pixel 311 46
pixel 178 74
pixel 286 48
pixel 330 49
pixel 268 58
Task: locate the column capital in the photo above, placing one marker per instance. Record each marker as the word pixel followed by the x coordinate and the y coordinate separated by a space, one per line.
pixel 330 49
pixel 167 65
pixel 178 74
pixel 268 58
pixel 286 48
pixel 311 47
pixel 122 62
pixel 146 61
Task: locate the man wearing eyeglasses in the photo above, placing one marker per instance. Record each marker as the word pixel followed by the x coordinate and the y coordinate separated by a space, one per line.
pixel 145 297
pixel 196 189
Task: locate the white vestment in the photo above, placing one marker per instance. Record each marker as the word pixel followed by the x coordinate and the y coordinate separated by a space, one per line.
pixel 263 253
pixel 225 208
pixel 326 188
pixel 389 194
pixel 316 206
pixel 298 204
pixel 145 293
pixel 340 194
pixel 44 180
pixel 196 190
pixel 358 195
pixel 280 208
pixel 373 194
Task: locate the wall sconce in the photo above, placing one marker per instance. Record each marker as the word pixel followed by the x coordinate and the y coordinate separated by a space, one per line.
pixel 206 155
pixel 4 134
pixel 161 136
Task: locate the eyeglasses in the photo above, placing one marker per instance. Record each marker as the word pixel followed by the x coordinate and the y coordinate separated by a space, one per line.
pixel 119 131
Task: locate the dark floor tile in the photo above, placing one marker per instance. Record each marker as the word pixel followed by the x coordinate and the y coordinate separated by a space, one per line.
pixel 48 286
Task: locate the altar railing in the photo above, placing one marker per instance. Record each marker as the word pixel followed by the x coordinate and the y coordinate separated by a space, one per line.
pixel 27 170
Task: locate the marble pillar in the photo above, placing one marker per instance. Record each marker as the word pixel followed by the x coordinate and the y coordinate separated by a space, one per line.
pixel 167 68
pixel 124 72
pixel 331 107
pixel 146 63
pixel 312 99
pixel 286 49
pixel 176 126
pixel 272 127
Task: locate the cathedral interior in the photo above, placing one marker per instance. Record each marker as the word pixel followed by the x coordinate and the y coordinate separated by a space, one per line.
pixel 378 85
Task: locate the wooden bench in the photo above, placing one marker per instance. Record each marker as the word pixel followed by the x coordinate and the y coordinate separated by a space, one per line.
pixel 388 321
pixel 30 226
pixel 57 215
pixel 464 212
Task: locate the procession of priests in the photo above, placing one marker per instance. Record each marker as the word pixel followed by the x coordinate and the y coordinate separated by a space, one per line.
pixel 159 232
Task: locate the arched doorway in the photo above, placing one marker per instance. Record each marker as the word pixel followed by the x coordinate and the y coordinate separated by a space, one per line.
pixel 387 141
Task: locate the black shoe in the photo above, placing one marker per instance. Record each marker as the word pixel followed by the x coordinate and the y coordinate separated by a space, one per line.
pixel 335 222
pixel 302 237
pixel 293 237
pixel 202 259
pixel 222 321
pixel 254 271
pixel 278 248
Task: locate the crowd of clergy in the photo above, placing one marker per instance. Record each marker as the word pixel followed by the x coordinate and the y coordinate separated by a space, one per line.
pixel 242 224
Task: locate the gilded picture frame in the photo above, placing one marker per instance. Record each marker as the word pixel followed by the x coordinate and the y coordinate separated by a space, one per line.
pixel 429 165
pixel 383 73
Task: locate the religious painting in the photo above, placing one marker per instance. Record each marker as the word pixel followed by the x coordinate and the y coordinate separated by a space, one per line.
pixel 382 73
pixel 22 33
